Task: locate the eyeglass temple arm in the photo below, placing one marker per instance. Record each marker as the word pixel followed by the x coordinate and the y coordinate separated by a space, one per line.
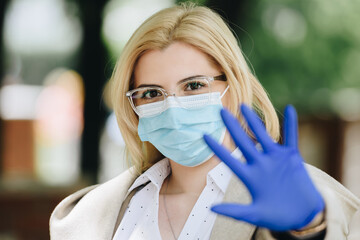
pixel 220 77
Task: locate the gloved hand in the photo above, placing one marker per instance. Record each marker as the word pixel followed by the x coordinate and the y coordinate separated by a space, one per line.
pixel 283 195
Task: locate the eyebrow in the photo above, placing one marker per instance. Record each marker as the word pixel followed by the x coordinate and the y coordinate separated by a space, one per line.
pixel 180 81
pixel 149 85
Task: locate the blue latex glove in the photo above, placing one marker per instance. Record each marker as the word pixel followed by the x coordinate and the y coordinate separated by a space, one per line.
pixel 283 195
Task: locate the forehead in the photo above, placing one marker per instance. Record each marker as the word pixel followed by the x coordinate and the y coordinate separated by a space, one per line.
pixel 167 66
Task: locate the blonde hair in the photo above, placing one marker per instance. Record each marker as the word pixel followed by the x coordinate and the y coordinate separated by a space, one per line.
pixel 205 30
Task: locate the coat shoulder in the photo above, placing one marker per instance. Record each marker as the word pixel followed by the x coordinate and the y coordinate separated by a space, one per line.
pixel 324 182
pixel 341 204
pixel 91 212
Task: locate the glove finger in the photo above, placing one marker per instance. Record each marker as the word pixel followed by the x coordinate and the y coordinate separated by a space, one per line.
pixel 290 127
pixel 258 128
pixel 239 136
pixel 245 213
pixel 235 165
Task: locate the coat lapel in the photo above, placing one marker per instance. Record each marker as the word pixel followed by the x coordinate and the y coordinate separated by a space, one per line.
pixel 228 228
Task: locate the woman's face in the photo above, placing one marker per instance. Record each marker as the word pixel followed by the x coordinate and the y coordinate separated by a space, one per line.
pixel 165 68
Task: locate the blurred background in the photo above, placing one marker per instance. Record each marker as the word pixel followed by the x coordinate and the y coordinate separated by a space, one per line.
pixel 57 130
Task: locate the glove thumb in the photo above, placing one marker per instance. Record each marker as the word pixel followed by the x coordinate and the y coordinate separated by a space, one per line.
pixel 245 213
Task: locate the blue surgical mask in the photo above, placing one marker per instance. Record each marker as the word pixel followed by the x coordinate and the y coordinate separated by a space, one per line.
pixel 178 132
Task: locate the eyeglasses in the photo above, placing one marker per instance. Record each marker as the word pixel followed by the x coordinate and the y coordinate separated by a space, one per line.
pixel 155 96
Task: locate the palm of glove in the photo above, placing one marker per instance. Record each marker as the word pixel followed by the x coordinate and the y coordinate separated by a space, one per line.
pixel 283 195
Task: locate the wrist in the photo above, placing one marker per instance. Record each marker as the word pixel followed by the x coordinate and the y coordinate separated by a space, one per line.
pixel 315 230
pixel 316 226
pixel 317 220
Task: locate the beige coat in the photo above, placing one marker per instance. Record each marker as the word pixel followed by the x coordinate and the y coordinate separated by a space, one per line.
pixel 92 212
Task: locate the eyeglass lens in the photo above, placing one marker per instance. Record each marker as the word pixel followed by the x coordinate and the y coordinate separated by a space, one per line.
pixel 189 87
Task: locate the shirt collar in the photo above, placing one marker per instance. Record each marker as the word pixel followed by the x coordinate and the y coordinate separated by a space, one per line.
pixel 221 174
pixel 155 174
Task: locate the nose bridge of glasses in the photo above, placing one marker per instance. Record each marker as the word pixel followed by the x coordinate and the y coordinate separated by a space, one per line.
pixel 170 94
pixel 173 93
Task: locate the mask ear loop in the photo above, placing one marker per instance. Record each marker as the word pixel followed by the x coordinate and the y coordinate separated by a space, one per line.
pixel 221 96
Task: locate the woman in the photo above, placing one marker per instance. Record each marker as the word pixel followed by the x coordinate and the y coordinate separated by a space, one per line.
pixel 176 73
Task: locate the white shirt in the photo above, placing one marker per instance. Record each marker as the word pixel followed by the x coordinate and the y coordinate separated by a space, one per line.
pixel 140 220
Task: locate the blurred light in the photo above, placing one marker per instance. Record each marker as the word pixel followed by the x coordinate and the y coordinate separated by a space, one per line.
pixel 59 125
pixel 41 26
pixel 112 129
pixel 335 18
pixel 351 170
pixel 346 103
pixel 18 102
pixel 122 18
pixel 112 151
pixel 287 25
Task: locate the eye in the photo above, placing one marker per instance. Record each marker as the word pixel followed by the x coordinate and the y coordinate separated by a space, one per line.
pixel 196 85
pixel 151 93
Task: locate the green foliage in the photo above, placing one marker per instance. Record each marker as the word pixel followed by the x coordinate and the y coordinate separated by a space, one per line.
pixel 304 52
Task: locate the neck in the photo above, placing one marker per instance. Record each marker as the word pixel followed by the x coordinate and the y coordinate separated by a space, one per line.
pixel 192 180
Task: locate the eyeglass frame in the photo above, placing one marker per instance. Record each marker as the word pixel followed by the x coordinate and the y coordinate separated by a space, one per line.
pixel 128 94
